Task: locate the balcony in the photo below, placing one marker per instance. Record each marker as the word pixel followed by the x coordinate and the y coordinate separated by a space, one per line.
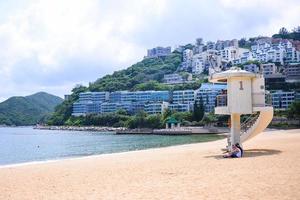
pixel 260 101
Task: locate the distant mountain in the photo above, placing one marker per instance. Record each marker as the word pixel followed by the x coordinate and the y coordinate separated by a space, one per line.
pixel 28 110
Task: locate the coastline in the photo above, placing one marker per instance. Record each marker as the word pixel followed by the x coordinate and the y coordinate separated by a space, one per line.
pixel 127 131
pixel 269 170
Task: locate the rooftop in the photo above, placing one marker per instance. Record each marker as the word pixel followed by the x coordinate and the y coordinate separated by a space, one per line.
pixel 232 72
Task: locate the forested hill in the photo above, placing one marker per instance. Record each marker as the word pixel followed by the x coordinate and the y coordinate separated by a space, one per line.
pixel 144 75
pixel 29 110
pixel 140 76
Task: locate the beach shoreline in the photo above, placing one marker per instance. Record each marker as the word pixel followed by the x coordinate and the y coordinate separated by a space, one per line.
pixel 269 170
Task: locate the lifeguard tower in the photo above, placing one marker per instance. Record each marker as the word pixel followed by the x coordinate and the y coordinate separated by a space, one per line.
pixel 245 95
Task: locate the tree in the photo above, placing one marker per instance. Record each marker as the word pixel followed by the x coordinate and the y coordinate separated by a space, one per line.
pixel 183 116
pixel 242 42
pixel 283 31
pixel 198 110
pixel 154 121
pixel 209 119
pixel 296 29
pixel 137 121
pixel 294 110
pixel 167 113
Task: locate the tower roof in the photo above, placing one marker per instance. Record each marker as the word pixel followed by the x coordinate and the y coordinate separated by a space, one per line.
pixel 232 72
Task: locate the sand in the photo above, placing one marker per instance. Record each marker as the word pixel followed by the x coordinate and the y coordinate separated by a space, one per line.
pixel 269 170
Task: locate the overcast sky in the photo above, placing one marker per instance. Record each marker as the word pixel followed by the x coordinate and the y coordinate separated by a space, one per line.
pixel 52 45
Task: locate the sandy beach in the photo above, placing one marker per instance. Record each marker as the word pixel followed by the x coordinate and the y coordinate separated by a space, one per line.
pixel 269 170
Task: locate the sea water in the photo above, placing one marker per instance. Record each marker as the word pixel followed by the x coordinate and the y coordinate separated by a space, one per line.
pixel 21 145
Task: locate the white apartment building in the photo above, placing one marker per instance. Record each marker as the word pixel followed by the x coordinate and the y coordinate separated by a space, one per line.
pixel 232 53
pixel 187 59
pixel 198 63
pixel 156 108
pixel 251 68
pixel 275 55
pixel 173 79
pixel 268 68
pixel 183 96
pixel 292 55
pixel 279 51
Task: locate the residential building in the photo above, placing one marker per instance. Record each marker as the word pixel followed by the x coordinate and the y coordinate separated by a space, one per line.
pixel 246 56
pixel 277 78
pixel 291 55
pixel 268 68
pixel 251 68
pixel 79 109
pixel 94 96
pixel 151 96
pixel 183 96
pixel 208 93
pixel 156 108
pixel 83 108
pixel 129 107
pixel 173 79
pixel 198 63
pixel 119 96
pixel 181 107
pixel 281 100
pixel 160 96
pixel 187 58
pixel 292 71
pixel 232 53
pixel 109 107
pixel 275 55
pixel 158 52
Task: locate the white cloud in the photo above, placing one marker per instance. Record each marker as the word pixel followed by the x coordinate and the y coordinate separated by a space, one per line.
pixel 52 45
pixel 49 33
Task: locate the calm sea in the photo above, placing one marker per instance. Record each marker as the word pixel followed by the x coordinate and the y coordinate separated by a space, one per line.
pixel 20 145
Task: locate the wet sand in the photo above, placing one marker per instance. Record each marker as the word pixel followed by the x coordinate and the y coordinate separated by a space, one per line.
pixel 269 170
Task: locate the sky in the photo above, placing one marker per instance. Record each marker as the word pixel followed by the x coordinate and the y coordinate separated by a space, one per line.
pixel 53 45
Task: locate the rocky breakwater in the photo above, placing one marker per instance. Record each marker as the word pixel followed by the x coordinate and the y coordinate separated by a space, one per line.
pixel 79 128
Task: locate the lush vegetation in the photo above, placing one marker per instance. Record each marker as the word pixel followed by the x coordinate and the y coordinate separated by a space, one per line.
pixel 285 34
pixel 144 75
pixel 27 110
pixel 143 120
pixel 294 110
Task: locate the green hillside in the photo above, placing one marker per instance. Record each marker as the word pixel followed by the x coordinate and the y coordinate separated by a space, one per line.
pixel 27 110
pixel 144 75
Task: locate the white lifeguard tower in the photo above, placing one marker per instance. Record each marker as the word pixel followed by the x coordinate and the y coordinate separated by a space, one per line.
pixel 245 95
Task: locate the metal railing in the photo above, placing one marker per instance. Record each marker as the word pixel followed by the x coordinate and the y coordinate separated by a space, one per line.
pixel 248 123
